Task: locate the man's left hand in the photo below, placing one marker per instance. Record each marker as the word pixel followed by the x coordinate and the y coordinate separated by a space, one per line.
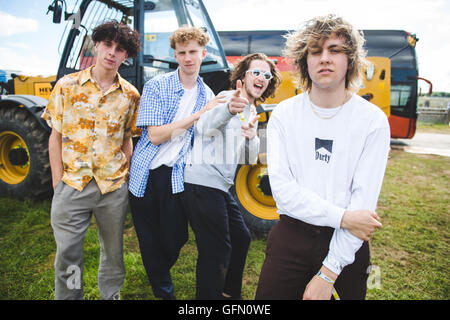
pixel 318 288
pixel 249 130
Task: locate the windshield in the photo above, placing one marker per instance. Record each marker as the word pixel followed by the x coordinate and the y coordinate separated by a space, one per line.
pixel 165 16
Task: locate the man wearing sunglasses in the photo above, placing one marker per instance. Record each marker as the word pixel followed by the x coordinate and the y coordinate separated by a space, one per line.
pixel 220 137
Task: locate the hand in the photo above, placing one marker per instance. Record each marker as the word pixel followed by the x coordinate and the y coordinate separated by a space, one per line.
pixel 214 102
pixel 55 183
pixel 210 105
pixel 249 130
pixel 361 223
pixel 318 288
pixel 237 103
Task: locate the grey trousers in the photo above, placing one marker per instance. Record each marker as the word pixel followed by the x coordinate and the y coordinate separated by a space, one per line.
pixel 71 214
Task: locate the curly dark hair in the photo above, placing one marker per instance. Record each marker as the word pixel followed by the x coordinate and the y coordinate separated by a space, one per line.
pixel 121 33
pixel 242 66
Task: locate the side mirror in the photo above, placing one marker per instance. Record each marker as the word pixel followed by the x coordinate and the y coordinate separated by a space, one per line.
pixel 56 7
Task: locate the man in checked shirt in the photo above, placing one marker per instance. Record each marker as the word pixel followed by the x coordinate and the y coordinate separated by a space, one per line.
pixel 169 106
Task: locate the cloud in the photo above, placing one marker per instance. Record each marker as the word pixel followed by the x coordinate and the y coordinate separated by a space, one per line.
pixel 29 64
pixel 18 45
pixel 10 24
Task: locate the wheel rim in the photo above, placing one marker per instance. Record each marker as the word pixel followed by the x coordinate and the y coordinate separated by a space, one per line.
pixel 10 173
pixel 253 199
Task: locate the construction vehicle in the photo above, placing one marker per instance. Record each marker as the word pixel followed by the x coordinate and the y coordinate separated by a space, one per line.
pixel 390 82
pixel 12 82
pixel 24 161
pixel 24 165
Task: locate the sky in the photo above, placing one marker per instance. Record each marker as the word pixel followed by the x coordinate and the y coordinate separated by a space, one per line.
pixel 29 41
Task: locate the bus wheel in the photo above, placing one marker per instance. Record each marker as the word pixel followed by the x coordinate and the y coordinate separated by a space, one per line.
pixel 252 192
pixel 24 162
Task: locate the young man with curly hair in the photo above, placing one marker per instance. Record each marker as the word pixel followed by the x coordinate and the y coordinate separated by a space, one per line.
pixel 221 136
pixel 92 114
pixel 169 106
pixel 327 153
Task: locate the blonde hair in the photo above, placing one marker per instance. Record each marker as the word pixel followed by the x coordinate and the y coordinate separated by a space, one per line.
pixel 185 34
pixel 319 29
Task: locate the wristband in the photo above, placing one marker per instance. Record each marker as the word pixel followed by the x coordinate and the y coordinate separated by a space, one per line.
pixel 325 277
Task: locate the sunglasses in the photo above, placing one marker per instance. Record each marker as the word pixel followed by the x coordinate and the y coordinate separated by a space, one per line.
pixel 256 73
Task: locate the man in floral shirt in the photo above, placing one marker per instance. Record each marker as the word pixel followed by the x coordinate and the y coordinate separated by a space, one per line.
pixel 92 114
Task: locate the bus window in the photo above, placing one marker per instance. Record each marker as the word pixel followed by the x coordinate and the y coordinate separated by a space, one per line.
pixel 234 44
pixel 400 97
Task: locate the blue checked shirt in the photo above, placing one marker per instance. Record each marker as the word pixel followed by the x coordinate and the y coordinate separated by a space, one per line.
pixel 159 104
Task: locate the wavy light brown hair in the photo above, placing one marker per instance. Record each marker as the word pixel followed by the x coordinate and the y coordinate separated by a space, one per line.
pixel 126 37
pixel 243 65
pixel 185 34
pixel 314 32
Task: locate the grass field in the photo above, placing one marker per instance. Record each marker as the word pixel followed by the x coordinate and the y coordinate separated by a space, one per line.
pixel 433 127
pixel 410 253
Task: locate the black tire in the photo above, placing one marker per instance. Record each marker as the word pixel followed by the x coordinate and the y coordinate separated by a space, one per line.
pixel 37 182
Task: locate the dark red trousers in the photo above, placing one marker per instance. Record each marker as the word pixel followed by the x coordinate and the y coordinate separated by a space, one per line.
pixel 294 254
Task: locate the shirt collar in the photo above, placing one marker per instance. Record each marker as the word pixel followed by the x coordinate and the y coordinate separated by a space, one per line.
pixel 86 75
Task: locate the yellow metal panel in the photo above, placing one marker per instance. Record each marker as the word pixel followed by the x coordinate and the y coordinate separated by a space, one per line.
pixel 285 90
pixel 38 86
pixel 377 84
pixel 262 117
pixel 150 37
pixel 42 89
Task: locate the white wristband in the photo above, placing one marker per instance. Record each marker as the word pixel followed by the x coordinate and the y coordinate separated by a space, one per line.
pixel 325 277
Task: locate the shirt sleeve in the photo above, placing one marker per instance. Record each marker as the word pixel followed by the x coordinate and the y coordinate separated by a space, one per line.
pixel 366 187
pixel 151 112
pixel 302 203
pixel 54 110
pixel 213 120
pixel 130 127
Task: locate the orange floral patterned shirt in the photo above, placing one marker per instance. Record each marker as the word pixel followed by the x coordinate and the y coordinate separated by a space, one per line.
pixel 93 127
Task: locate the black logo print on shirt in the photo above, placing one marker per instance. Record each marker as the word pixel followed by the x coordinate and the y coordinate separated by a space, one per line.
pixel 324 149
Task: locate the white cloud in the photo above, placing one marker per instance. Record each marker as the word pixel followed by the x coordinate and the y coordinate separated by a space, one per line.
pixel 18 45
pixel 30 64
pixel 10 24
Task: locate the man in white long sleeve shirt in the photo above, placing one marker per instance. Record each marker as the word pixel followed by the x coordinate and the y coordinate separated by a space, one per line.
pixel 327 153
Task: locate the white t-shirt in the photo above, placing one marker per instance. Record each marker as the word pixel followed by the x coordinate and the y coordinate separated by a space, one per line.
pixel 318 168
pixel 169 151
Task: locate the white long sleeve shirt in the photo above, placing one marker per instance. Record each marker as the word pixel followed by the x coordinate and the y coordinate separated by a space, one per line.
pixel 318 168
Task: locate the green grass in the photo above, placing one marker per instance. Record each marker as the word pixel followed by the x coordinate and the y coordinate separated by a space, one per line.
pixel 433 127
pixel 411 251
